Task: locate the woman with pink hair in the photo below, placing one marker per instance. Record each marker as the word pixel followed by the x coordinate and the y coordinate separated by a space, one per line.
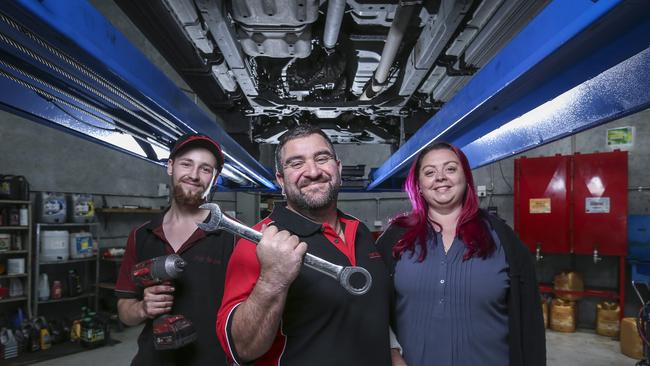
pixel 465 286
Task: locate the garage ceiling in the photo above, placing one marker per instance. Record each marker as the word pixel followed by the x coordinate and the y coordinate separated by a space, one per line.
pixel 495 77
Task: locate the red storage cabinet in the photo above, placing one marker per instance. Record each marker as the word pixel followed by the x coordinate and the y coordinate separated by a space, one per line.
pixel 600 203
pixel 541 203
pixel 575 204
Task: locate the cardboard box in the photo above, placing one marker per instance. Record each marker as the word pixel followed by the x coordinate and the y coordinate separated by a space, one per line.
pixel 631 344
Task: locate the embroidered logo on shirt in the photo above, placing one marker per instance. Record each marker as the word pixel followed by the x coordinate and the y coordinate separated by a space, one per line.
pixel 374 255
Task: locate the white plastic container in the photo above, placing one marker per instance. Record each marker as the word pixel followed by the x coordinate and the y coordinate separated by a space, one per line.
pixel 24 216
pixel 81 245
pixel 5 241
pixel 82 208
pixel 9 343
pixel 52 207
pixel 16 287
pixel 43 287
pixel 55 245
pixel 15 266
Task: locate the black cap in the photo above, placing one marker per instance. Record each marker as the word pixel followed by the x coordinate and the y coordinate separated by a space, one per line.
pixel 198 140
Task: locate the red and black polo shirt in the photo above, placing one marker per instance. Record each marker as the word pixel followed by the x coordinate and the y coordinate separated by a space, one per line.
pixel 197 294
pixel 322 324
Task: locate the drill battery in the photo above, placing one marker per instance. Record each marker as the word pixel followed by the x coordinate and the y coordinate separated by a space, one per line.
pixel 172 332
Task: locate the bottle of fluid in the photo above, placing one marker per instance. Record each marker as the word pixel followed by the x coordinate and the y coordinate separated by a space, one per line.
pixel 24 216
pixel 43 287
pixel 16 287
pixel 56 292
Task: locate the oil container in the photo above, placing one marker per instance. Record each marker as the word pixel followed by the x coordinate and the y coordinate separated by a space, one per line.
pixel 631 343
pixel 55 245
pixel 563 315
pixel 52 207
pixel 81 208
pixel 81 245
pixel 568 281
pixel 607 318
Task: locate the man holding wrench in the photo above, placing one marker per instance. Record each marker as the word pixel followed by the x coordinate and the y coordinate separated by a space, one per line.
pixel 274 309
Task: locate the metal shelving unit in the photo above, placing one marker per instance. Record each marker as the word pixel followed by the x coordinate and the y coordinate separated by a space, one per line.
pixel 120 210
pixel 13 299
pixel 70 298
pixel 25 233
pixel 112 265
pixel 90 275
pixel 77 260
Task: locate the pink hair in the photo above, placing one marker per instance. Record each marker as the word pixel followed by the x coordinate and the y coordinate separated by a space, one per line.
pixel 471 227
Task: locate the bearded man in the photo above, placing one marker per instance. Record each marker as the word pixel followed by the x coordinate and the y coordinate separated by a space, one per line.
pixel 194 163
pixel 274 310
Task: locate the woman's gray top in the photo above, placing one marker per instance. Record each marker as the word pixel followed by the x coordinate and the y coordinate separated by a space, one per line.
pixel 452 312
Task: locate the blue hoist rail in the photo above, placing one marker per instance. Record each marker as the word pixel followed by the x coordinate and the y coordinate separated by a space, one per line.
pixel 577 64
pixel 64 65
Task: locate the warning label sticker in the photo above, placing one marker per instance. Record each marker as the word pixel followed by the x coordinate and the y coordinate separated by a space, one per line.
pixel 597 204
pixel 539 205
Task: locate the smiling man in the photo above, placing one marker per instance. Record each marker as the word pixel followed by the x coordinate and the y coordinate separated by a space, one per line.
pixel 276 311
pixel 194 163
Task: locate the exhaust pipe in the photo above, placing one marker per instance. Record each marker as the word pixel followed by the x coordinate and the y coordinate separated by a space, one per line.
pixel 335 11
pixel 395 35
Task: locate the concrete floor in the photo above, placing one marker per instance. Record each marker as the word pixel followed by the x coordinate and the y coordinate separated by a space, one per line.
pixel 583 348
pixel 119 354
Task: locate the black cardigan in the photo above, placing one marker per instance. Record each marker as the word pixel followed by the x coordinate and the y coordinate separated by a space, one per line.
pixel 526 337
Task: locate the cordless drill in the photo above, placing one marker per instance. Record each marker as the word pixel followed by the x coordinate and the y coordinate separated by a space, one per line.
pixel 169 331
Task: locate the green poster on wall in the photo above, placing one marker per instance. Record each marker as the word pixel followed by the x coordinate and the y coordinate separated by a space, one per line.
pixel 620 137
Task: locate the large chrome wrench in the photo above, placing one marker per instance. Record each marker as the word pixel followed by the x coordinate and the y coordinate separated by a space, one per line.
pixel 218 221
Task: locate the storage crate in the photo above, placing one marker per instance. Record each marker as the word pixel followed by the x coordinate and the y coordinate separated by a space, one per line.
pixel 638 237
pixel 640 271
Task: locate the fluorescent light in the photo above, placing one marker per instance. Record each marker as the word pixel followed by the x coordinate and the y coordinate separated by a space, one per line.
pixel 247 173
pixel 161 152
pixel 234 175
pixel 122 140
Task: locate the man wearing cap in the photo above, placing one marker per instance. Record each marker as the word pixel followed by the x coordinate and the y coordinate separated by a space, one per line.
pixel 194 163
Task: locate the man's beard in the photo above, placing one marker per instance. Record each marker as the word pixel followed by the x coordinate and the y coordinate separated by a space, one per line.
pixel 187 199
pixel 311 203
